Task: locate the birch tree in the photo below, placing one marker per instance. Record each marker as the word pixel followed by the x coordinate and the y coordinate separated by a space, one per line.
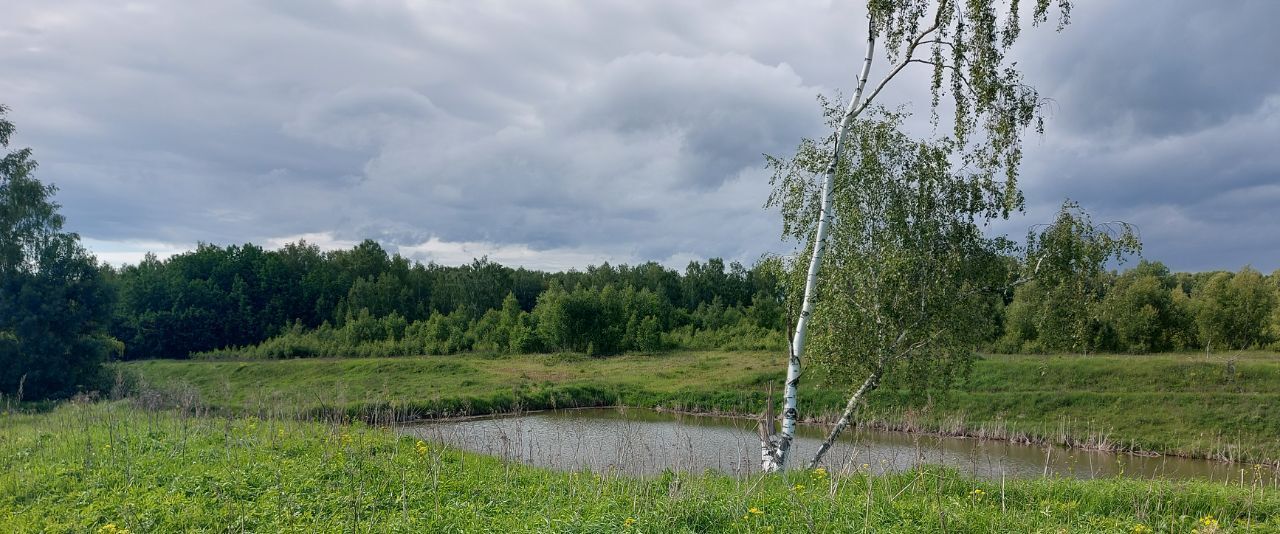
pixel 910 284
pixel 963 46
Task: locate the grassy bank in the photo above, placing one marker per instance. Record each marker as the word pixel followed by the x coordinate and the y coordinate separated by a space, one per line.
pixel 1219 406
pixel 83 467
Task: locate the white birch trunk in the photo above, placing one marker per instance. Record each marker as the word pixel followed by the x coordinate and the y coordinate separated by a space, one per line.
pixel 774 450
pixel 768 441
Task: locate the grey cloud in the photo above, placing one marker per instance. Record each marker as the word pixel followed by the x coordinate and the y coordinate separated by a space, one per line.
pixel 363 117
pixel 727 110
pixel 1238 153
pixel 1167 118
pixel 599 129
pixel 1132 68
pixel 612 161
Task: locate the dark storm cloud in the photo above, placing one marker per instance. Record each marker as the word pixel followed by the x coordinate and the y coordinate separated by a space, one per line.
pixel 1132 69
pixel 556 134
pixel 1168 118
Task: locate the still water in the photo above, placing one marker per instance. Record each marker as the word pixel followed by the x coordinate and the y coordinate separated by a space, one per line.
pixel 640 442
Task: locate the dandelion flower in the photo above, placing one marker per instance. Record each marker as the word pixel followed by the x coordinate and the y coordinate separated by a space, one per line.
pixel 756 511
pixel 631 521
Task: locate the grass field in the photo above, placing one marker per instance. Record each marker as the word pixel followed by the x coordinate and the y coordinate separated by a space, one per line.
pixel 111 467
pixel 1222 406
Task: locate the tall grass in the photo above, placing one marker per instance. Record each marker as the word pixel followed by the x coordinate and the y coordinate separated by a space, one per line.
pixel 116 465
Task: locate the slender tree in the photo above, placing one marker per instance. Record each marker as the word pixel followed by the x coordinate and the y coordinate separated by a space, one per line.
pixel 965 45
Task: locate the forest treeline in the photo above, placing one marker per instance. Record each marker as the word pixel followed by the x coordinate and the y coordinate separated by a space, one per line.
pixel 299 301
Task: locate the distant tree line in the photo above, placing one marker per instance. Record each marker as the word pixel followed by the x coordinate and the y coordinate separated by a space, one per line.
pixel 299 301
pixel 1145 309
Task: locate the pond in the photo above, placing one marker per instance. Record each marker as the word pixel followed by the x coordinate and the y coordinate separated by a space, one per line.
pixel 641 442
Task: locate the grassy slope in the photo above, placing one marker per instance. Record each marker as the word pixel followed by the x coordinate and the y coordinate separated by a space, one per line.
pixel 82 467
pixel 1190 404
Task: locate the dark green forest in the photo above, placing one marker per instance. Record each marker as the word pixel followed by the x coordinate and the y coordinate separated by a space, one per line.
pixel 364 301
pixel 298 301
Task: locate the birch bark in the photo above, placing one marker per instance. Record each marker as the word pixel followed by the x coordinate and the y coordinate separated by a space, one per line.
pixel 774 450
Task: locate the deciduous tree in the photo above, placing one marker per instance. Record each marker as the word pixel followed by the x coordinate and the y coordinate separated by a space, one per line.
pixel 54 300
pixel 964 47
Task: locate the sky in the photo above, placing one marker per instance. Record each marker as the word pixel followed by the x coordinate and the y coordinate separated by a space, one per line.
pixel 559 134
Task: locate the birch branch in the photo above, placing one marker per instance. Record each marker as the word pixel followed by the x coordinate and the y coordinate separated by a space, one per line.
pixel 906 59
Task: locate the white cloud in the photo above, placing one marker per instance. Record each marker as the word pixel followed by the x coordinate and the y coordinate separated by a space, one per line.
pixel 457 253
pixel 120 253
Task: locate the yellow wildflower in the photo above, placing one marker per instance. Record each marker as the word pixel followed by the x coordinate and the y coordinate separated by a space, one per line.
pixel 421 447
pixel 820 472
pixel 1141 529
pixel 798 487
pixel 978 493
pixel 756 511
pixel 1209 522
pixel 631 521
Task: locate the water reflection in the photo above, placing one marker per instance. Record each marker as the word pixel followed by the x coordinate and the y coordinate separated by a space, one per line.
pixel 639 442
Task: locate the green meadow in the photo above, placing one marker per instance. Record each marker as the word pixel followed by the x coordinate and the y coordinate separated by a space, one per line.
pixel 1218 406
pixel 116 467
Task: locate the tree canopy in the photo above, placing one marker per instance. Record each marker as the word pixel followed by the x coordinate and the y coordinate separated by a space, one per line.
pixel 965 44
pixel 54 302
